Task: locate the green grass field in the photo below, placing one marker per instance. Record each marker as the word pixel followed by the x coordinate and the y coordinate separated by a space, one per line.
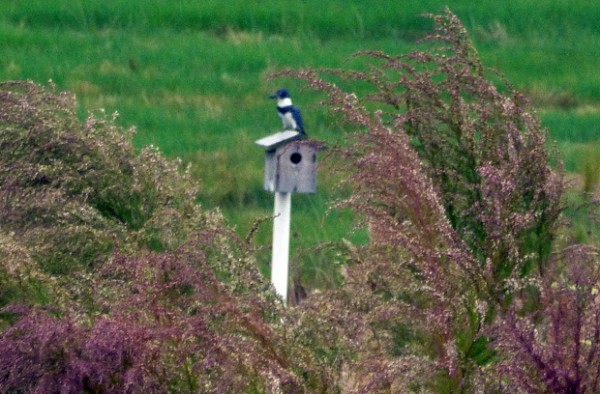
pixel 191 76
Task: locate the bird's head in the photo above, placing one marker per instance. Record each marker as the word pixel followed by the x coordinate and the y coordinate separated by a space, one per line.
pixel 280 94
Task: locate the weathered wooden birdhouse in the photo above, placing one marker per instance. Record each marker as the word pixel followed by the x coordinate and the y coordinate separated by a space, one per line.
pixel 290 163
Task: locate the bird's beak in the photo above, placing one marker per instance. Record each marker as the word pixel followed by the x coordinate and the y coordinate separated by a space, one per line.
pixel 274 95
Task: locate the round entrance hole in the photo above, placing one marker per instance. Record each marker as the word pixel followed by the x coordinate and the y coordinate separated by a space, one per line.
pixel 296 158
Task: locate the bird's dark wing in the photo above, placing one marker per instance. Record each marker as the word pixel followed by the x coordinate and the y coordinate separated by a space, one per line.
pixel 298 118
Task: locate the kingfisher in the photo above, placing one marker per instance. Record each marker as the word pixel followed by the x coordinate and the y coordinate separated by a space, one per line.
pixel 289 113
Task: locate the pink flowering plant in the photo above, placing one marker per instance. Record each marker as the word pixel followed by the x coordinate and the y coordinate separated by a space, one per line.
pixel 114 279
pixel 451 174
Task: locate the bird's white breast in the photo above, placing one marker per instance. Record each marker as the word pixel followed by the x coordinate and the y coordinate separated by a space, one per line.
pixel 284 102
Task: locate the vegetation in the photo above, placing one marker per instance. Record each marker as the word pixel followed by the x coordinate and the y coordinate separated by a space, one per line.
pixel 114 279
pixel 174 70
pixel 466 285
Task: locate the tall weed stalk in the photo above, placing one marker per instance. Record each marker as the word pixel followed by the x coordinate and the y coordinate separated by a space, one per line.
pixel 452 177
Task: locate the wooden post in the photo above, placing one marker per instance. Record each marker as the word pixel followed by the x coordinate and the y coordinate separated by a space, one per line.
pixel 281 243
pixel 290 167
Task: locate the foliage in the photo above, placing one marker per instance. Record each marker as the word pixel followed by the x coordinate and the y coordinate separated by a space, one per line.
pixel 21 278
pixel 452 177
pixel 71 191
pixel 555 348
pixel 115 280
pixel 174 72
pixel 169 325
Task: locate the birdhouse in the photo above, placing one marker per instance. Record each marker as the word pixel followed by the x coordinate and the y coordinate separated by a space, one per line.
pixel 290 163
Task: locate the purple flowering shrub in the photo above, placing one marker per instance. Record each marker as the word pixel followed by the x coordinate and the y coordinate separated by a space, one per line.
pixel 165 323
pixel 451 175
pixel 70 190
pixel 43 354
pixel 555 348
pixel 114 279
pixel 168 325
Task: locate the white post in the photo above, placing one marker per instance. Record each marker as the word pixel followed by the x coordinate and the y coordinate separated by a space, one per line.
pixel 281 243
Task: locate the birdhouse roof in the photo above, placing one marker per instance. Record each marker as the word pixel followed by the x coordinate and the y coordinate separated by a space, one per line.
pixel 274 140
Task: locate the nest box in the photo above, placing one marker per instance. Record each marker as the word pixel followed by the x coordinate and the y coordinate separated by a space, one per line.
pixel 290 163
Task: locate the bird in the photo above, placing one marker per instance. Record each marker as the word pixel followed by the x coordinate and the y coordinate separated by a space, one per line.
pixel 289 113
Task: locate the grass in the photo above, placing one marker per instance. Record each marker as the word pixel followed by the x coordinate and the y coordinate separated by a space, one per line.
pixel 191 76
